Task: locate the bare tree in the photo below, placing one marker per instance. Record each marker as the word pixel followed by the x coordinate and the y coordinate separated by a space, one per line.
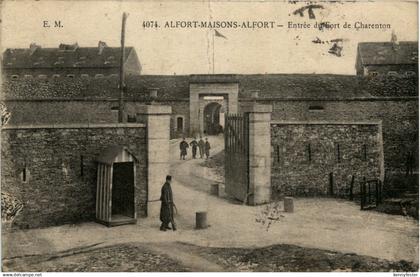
pixel 5 115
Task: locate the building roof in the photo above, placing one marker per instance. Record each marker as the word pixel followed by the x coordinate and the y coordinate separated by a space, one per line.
pixel 175 88
pixel 66 56
pixel 110 155
pixel 381 53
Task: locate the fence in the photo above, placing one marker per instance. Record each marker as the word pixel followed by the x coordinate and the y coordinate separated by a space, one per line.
pixel 370 194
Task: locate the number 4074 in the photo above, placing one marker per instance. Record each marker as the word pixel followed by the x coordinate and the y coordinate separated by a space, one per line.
pixel 150 24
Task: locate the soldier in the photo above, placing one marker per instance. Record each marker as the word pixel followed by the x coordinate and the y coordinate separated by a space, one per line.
pixel 167 206
pixel 183 148
pixel 201 147
pixel 194 145
pixel 207 148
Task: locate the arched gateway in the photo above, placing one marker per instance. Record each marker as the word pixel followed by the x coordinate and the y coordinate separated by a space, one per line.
pixel 210 98
pixel 213 116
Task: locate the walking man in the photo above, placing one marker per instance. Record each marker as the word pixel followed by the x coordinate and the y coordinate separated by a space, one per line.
pixel 201 147
pixel 194 145
pixel 183 148
pixel 207 148
pixel 167 206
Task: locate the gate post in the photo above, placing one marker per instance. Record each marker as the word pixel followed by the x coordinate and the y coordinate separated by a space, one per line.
pixel 259 152
pixel 157 119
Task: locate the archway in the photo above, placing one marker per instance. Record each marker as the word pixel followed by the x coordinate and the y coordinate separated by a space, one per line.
pixel 213 119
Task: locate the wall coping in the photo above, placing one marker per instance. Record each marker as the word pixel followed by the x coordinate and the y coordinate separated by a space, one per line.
pixel 257 108
pixel 371 98
pixel 99 99
pixel 327 122
pixel 75 126
pixel 155 110
pixel 240 99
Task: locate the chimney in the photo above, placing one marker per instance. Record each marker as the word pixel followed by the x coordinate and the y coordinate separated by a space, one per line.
pixel 152 92
pixel 254 95
pixel 101 47
pixel 394 40
pixel 33 47
pixel 68 47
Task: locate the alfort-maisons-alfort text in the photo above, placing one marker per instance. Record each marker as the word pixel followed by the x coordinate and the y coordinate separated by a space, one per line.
pixel 195 24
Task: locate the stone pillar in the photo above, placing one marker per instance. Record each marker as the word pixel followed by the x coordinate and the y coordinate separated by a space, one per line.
pixel 157 120
pixel 194 113
pixel 259 152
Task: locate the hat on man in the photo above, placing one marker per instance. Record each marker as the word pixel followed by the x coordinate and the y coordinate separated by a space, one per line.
pixel 168 177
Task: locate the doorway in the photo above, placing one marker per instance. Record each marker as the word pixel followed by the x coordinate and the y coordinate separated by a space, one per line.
pixel 212 119
pixel 123 189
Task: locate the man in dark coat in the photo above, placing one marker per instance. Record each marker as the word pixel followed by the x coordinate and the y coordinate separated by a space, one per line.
pixel 194 145
pixel 207 148
pixel 183 148
pixel 167 206
pixel 201 147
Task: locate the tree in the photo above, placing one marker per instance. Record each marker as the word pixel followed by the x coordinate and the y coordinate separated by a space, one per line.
pixel 5 115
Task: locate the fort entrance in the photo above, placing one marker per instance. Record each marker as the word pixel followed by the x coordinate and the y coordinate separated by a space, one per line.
pixel 211 97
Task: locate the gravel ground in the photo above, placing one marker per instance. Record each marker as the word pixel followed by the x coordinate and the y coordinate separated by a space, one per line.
pixel 217 162
pixel 290 258
pixel 140 258
pixel 118 258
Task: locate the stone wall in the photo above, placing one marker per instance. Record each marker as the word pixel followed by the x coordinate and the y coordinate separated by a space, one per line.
pixel 305 154
pixel 52 169
pixel 60 111
pixel 399 118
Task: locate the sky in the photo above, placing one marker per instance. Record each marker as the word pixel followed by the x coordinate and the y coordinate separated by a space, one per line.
pixel 190 50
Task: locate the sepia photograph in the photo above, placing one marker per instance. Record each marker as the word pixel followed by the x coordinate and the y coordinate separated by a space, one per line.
pixel 209 136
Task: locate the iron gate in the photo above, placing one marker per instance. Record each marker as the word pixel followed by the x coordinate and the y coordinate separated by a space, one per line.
pixel 370 194
pixel 237 156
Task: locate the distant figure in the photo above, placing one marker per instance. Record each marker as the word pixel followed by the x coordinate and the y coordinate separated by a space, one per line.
pixel 207 148
pixel 201 145
pixel 183 148
pixel 167 206
pixel 194 145
pixel 219 129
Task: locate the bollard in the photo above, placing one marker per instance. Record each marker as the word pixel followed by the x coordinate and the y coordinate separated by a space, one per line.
pixel 214 189
pixel 201 220
pixel 288 204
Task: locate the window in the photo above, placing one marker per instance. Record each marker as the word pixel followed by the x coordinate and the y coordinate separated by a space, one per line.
pixel 113 75
pixel 99 75
pixel 42 76
pixel 410 73
pixel 278 154
pixel 364 152
pixel 392 73
pixel 309 152
pixel 15 77
pixel 131 118
pixel 24 174
pixel 179 124
pixel 70 75
pixel 338 152
pixel 373 73
pixel 81 165
pixel 28 76
pixel 56 75
pixel 316 108
pixel 84 75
